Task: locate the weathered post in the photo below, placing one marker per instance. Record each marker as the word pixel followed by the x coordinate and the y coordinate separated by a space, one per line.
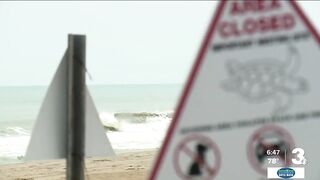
pixel 76 107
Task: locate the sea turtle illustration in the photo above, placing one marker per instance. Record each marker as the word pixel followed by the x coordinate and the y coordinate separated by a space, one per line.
pixel 259 80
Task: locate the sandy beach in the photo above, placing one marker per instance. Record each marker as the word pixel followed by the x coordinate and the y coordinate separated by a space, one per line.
pixel 133 165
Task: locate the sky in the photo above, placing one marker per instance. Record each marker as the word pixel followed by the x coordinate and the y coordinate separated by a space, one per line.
pixel 128 42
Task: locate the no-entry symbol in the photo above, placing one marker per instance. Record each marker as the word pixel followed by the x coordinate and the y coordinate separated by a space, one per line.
pixel 196 157
pixel 269 138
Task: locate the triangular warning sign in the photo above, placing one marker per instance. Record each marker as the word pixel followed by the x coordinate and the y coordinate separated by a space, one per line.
pixel 250 104
pixel 48 140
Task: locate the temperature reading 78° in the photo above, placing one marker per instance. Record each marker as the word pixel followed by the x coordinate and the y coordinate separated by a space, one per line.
pixel 299 158
pixel 273 160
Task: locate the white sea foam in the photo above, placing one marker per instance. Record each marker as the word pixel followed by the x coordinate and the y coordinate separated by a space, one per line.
pixel 13 148
pixel 139 135
pixel 109 121
pixel 14 131
pixel 137 113
pixel 139 130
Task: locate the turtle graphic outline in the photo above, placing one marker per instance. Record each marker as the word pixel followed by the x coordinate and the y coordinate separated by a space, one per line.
pixel 259 80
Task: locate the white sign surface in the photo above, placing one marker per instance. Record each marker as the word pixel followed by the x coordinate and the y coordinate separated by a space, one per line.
pixel 254 87
pixel 49 135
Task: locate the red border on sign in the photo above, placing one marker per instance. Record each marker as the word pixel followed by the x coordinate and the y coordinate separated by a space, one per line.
pixel 187 89
pixel 195 69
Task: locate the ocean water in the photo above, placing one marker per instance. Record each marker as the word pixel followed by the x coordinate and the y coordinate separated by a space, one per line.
pixel 140 113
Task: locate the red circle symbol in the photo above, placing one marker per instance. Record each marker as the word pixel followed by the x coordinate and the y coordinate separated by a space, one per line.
pixel 271 138
pixel 197 156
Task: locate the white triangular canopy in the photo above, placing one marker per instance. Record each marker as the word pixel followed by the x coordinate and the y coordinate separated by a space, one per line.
pixel 49 136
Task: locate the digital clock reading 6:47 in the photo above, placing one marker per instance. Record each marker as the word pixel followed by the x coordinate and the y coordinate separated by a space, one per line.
pixel 273 152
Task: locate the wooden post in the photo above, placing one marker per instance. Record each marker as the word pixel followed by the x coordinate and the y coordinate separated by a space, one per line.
pixel 76 107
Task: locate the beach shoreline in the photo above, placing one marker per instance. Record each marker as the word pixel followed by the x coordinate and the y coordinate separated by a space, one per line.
pixel 126 165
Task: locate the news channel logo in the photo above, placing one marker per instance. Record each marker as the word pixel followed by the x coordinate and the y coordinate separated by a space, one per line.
pixel 298 160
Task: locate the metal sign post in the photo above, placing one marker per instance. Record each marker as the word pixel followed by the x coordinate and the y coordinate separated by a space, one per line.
pixel 76 107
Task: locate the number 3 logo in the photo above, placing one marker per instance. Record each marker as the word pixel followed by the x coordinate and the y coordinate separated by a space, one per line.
pixel 300 159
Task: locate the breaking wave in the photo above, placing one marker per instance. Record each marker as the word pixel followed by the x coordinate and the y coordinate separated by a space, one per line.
pixel 114 121
pixel 129 130
pixel 14 131
pixel 142 117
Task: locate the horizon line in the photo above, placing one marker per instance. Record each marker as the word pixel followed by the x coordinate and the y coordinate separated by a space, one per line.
pixel 112 84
